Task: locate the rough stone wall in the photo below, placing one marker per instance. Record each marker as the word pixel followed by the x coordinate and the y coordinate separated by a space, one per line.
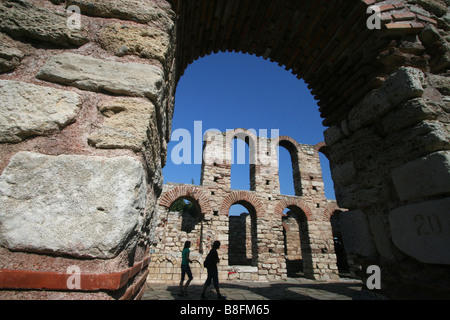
pixel 85 116
pixel 390 162
pixel 252 245
pixel 73 100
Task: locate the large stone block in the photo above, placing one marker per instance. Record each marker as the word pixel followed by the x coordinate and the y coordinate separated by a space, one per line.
pixel 434 6
pixel 141 11
pixel 127 122
pixel 427 176
pixel 356 234
pixel 344 174
pixel 131 123
pixel 409 114
pixel 441 83
pixel 74 205
pixel 405 84
pixel 423 230
pixel 27 109
pixel 20 18
pixel 9 58
pixel 145 42
pixel 130 79
pixel 10 54
pixel 333 135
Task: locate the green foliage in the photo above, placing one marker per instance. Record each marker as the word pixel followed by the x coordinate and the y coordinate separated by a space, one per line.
pixel 184 206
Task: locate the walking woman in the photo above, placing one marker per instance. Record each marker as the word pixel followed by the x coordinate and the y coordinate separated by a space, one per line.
pixel 185 268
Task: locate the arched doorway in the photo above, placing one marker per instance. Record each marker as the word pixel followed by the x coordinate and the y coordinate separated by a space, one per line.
pixel 253 207
pixel 190 204
pixel 242 235
pixel 296 241
pixel 339 250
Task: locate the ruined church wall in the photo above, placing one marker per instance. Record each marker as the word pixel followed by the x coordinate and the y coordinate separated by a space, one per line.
pixel 320 261
pixel 262 249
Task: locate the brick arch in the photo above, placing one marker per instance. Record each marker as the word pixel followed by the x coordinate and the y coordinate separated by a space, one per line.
pixel 248 137
pixel 239 197
pixel 241 132
pixel 289 144
pixel 327 43
pixel 287 202
pixel 322 148
pixel 186 191
pixel 293 147
pixel 329 210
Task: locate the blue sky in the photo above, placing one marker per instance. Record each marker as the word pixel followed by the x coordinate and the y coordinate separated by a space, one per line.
pixel 233 90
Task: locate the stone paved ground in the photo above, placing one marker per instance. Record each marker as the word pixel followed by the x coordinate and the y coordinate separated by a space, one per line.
pixel 291 289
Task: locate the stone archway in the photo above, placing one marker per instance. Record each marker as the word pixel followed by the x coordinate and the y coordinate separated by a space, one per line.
pixel 383 94
pixel 320 42
pixel 364 80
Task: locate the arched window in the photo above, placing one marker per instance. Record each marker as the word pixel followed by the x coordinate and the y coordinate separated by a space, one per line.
pixel 326 174
pixel 242 146
pixel 190 218
pixel 285 173
pixel 289 167
pixel 189 212
pixel 240 165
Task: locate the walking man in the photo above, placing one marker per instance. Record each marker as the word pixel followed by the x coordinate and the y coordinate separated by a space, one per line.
pixel 211 261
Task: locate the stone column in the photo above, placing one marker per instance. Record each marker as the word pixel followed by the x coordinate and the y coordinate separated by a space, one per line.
pixel 86 106
pixel 390 165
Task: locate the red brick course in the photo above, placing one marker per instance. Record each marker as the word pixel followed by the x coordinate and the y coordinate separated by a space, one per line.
pixel 41 280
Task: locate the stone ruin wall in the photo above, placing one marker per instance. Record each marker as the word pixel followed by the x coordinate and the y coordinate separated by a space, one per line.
pixel 91 107
pixel 259 235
